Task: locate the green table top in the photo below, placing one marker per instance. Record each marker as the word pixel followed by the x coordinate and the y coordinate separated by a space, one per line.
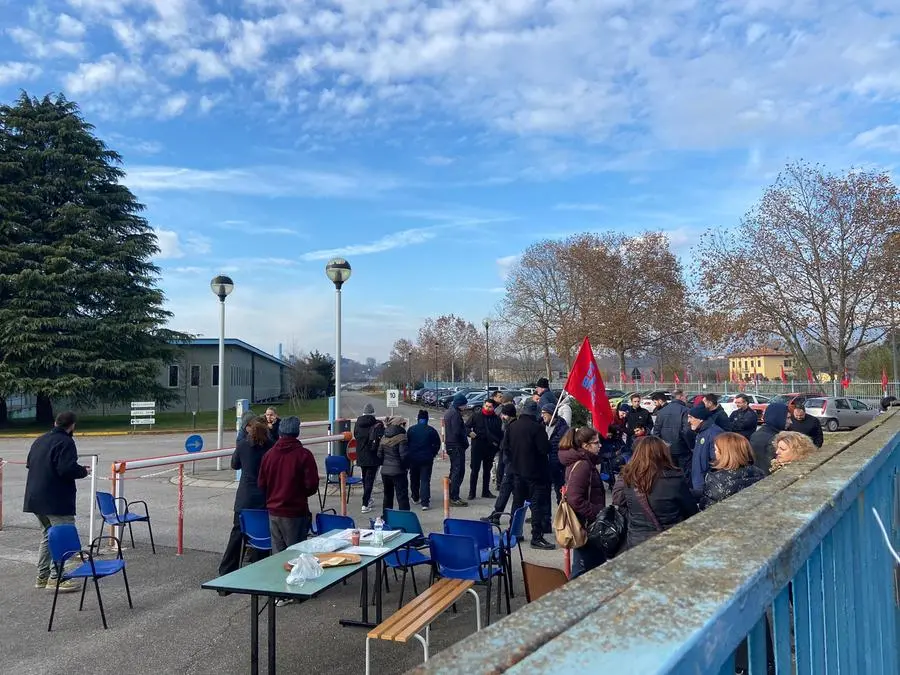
pixel 268 577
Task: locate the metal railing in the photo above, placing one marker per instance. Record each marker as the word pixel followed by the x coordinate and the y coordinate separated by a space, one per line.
pixel 791 573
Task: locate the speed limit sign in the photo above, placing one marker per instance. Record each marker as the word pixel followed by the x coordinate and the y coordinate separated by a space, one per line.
pixel 393 398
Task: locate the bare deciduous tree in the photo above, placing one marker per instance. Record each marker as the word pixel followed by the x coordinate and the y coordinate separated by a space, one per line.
pixel 810 263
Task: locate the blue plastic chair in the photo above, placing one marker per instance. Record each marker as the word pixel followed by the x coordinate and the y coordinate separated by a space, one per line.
pixel 325 522
pixel 458 557
pixel 409 557
pixel 64 543
pixel 489 543
pixel 255 528
pixel 111 516
pixel 335 465
pixel 512 537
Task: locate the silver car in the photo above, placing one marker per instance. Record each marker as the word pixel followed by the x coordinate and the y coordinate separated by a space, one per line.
pixel 836 413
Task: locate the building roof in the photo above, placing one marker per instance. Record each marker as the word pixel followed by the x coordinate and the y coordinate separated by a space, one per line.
pixel 233 342
pixel 760 351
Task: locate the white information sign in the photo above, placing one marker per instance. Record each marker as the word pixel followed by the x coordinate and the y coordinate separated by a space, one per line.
pixel 143 413
pixel 393 398
pixel 143 420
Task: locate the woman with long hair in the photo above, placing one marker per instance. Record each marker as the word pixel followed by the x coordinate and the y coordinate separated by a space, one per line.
pixel 791 446
pixel 652 490
pixel 246 458
pixel 579 453
pixel 733 469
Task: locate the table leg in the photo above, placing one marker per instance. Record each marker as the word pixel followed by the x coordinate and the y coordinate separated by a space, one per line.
pixel 254 635
pixel 271 636
pixel 379 571
pixel 365 595
pixel 364 623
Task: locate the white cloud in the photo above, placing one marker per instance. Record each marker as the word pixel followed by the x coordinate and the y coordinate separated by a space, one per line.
pixel 506 263
pixel 438 160
pixel 174 106
pixel 206 104
pixel 39 47
pixel 886 137
pixel 268 180
pixel 17 72
pixel 169 245
pixel 69 27
pixel 389 242
pixel 109 71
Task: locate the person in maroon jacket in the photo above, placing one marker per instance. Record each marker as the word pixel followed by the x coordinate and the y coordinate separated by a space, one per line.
pixel 288 476
pixel 579 452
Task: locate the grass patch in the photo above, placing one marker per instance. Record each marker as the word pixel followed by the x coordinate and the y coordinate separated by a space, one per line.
pixel 316 409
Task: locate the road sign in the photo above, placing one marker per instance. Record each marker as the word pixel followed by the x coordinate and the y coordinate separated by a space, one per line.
pixel 194 443
pixel 143 404
pixel 143 412
pixel 393 398
pixel 143 420
pixel 636 374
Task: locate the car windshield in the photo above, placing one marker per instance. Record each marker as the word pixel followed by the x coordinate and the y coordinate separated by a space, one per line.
pixel 815 403
pixel 781 398
pixel 726 399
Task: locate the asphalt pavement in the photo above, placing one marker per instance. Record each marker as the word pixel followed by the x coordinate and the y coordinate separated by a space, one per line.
pixel 175 626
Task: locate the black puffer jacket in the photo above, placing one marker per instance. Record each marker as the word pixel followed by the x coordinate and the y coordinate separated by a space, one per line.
pixel 368 432
pixel 722 484
pixel 488 433
pixel 392 450
pixel 774 421
pixel 670 499
pixel 529 448
pixel 744 422
pixel 720 419
pixel 671 425
pixel 53 469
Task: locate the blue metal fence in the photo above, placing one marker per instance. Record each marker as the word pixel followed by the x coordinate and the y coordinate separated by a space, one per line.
pixel 795 565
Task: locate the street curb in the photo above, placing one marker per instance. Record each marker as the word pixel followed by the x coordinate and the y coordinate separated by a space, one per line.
pixel 87 434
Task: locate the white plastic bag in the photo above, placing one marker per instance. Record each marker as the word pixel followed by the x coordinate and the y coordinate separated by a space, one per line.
pixel 320 545
pixel 305 567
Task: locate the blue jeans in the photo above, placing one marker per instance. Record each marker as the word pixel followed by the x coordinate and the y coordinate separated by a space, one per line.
pixel 457 470
pixel 420 482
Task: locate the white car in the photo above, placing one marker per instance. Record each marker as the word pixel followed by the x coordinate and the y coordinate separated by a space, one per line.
pixel 729 406
pixel 649 404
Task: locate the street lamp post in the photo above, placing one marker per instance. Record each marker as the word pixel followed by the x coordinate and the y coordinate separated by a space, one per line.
pixel 221 286
pixel 487 355
pixel 436 370
pixel 338 270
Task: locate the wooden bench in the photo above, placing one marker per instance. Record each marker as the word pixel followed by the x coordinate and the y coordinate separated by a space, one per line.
pixel 420 612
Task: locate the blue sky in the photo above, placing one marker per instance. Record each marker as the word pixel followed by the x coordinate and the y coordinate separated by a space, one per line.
pixel 431 142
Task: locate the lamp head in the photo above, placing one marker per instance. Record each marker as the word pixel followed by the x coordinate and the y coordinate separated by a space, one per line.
pixel 338 270
pixel 487 324
pixel 222 287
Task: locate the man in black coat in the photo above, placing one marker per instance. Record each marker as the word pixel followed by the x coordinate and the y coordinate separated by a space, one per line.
pixel 718 416
pixel 744 419
pixel 50 491
pixel 456 441
pixel 807 424
pixel 486 432
pixel 672 426
pixel 529 451
pixel 368 432
pixel 637 417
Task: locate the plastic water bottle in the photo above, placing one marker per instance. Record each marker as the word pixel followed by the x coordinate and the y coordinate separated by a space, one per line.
pixel 379 531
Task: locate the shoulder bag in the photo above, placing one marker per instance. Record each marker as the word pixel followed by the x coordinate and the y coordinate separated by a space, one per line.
pixel 569 531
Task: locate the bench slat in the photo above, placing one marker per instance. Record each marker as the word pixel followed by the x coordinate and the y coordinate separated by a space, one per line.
pixel 424 609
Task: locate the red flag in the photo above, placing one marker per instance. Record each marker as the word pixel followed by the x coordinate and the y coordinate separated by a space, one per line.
pixel 809 375
pixel 783 376
pixel 718 377
pixel 677 381
pixel 623 377
pixel 884 380
pixel 845 381
pixel 585 385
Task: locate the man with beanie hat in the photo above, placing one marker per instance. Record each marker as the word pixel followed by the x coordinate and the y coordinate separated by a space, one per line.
pixel 543 396
pixel 368 433
pixel 505 474
pixel 457 442
pixel 529 451
pixel 423 445
pixel 288 475
pixel 705 431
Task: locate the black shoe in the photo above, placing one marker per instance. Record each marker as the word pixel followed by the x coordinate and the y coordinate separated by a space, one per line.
pixel 494 519
pixel 488 495
pixel 471 496
pixel 542 544
pixel 458 502
pixel 415 500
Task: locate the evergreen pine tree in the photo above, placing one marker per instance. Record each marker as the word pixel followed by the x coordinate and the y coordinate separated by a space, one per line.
pixel 80 315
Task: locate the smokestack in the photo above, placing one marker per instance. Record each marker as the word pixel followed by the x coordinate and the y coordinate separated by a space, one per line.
pixel 280 355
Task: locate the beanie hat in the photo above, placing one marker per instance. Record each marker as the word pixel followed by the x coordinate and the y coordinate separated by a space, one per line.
pixel 699 412
pixel 423 415
pixel 508 409
pixel 459 399
pixel 247 417
pixel 508 398
pixel 290 426
pixel 369 409
pixel 530 408
pixel 543 383
pixel 548 408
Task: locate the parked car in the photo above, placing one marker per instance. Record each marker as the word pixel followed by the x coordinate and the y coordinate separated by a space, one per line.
pixel 444 401
pixel 417 395
pixel 796 398
pixel 758 403
pixel 837 413
pixel 648 403
pixel 615 401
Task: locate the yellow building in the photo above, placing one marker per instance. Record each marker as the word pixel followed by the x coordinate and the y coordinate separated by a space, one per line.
pixel 763 361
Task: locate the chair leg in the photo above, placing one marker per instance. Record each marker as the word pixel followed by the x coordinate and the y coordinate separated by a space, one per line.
pixel 387 585
pixel 131 534
pixel 402 588
pixel 100 602
pixel 83 589
pixel 152 543
pixel 487 603
pixel 413 574
pixel 128 590
pixel 511 585
pixel 508 609
pixel 500 585
pixel 53 608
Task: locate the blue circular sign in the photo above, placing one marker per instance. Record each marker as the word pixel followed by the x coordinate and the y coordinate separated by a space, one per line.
pixel 194 443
